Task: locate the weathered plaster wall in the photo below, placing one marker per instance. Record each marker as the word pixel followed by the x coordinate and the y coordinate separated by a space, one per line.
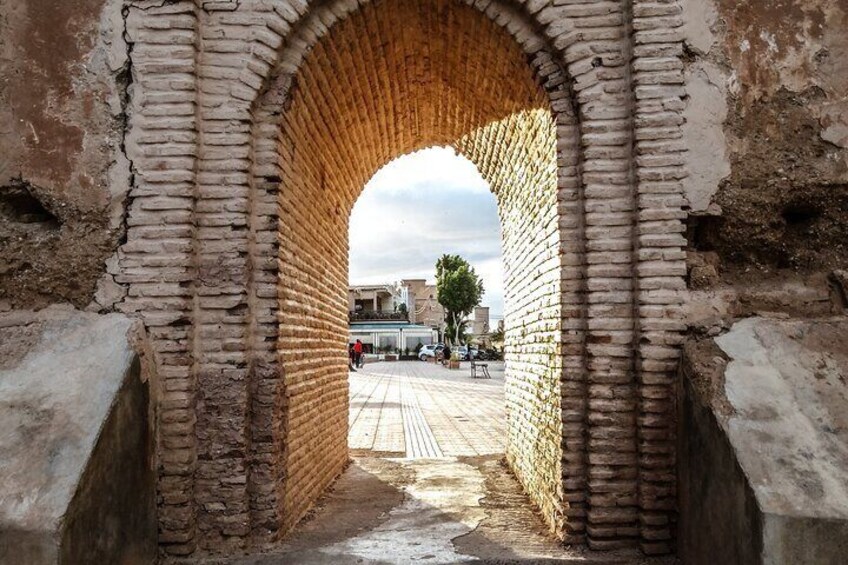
pixel 767 131
pixel 63 177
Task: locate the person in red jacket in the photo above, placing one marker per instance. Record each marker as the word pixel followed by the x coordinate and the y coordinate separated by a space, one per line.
pixel 357 353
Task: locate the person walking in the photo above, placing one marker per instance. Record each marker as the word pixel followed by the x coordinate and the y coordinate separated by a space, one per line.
pixel 351 357
pixel 357 353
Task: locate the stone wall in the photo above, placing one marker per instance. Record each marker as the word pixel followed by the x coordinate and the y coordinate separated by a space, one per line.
pixel 765 130
pixel 158 267
pixel 615 511
pixel 232 119
pixel 763 458
pixel 163 159
pixel 79 457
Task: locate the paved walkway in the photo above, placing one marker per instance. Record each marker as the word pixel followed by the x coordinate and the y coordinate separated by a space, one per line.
pixel 427 483
pixel 420 410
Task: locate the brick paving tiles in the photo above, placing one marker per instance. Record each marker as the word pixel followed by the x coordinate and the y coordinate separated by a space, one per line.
pixel 423 410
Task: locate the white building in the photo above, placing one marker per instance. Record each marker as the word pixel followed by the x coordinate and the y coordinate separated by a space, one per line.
pixel 382 318
pixel 392 337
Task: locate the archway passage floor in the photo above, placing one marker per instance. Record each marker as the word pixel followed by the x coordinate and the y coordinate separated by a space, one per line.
pixel 427 482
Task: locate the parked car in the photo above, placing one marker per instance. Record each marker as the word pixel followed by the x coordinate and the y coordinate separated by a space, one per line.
pixel 462 352
pixel 428 351
pixel 490 355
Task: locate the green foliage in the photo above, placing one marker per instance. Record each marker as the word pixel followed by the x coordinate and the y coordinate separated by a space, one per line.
pixel 497 336
pixel 459 290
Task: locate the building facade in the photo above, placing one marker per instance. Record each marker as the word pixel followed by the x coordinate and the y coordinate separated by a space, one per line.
pixel 382 317
pixel 426 309
pixel 403 338
pixel 410 301
pixel 479 326
pixel 378 301
pixel 480 321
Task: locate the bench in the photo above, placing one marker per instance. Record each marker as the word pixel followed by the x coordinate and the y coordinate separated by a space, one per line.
pixel 479 370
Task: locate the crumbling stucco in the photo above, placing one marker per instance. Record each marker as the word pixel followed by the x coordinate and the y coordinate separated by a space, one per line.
pixel 706 109
pixel 706 112
pixel 61 126
pixel 776 75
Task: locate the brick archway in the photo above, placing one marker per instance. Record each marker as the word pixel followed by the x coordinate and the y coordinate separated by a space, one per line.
pixel 371 89
pixel 212 89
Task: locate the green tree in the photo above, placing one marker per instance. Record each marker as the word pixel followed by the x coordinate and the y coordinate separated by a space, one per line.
pixel 497 336
pixel 459 290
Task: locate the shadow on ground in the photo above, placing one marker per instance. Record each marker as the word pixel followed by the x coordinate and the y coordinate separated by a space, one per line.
pixel 387 511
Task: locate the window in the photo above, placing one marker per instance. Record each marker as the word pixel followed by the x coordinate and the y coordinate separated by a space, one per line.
pixel 387 343
pixel 413 341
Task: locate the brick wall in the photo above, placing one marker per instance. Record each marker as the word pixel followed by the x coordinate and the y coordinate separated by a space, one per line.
pixel 358 103
pixel 157 262
pixel 527 203
pixel 254 126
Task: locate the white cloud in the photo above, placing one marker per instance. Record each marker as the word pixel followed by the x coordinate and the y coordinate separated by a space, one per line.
pixel 419 207
pixel 434 166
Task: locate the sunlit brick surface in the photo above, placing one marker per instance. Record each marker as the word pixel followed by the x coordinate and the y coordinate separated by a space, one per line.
pixel 411 74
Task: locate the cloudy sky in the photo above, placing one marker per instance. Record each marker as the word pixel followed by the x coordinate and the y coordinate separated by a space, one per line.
pixel 419 207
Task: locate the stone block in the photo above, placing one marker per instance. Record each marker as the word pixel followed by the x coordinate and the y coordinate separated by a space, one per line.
pixel 77 480
pixel 764 444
